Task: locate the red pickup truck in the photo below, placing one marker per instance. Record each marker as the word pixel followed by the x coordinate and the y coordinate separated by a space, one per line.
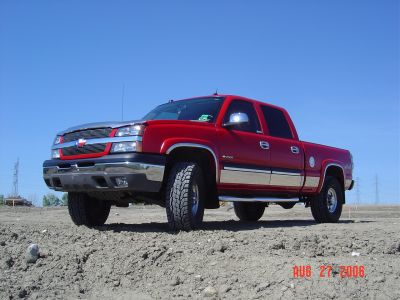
pixel 192 154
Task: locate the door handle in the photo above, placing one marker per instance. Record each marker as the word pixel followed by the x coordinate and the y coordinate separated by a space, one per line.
pixel 264 145
pixel 295 149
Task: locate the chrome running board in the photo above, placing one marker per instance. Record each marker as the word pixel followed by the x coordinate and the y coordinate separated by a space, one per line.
pixel 256 199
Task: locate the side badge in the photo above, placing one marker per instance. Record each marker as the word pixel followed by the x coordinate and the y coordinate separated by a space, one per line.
pixel 311 161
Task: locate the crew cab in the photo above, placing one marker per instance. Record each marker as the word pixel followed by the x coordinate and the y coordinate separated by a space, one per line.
pixel 193 154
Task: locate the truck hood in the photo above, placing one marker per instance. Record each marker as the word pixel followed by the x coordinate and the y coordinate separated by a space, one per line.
pixel 100 125
pixel 127 123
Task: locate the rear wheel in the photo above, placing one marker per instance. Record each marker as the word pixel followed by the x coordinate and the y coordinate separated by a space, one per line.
pixel 185 196
pixel 327 206
pixel 87 211
pixel 249 211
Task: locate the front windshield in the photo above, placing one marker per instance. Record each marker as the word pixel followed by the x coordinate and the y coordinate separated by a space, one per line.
pixel 199 109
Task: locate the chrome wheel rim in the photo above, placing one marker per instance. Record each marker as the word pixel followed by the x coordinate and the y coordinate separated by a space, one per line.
pixel 331 200
pixel 195 198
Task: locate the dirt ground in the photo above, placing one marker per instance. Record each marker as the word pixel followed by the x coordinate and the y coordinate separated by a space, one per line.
pixel 134 257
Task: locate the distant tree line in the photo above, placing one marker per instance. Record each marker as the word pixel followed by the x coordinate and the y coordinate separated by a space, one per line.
pixel 1 199
pixel 53 200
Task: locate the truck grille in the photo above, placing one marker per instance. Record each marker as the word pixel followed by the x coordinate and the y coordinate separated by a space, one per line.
pixel 87 149
pixel 87 134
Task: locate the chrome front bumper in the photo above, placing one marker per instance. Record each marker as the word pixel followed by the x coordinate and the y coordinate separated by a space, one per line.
pixel 137 172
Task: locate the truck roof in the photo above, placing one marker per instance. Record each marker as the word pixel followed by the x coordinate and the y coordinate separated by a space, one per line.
pixel 233 96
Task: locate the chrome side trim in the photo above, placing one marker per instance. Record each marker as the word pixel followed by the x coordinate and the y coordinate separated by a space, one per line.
pixel 245 176
pixel 326 168
pixel 248 170
pixel 286 173
pixel 99 141
pixel 193 145
pixel 261 177
pixel 152 172
pixel 256 199
pixel 311 182
pixel 279 178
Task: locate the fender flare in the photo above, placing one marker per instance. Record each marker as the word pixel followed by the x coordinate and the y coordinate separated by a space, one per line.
pixel 327 165
pixel 197 145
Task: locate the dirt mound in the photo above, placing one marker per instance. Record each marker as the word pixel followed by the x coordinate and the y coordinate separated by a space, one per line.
pixel 133 257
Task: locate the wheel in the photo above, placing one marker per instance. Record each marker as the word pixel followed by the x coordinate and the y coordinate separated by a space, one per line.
pixel 327 206
pixel 287 205
pixel 87 211
pixel 249 211
pixel 185 193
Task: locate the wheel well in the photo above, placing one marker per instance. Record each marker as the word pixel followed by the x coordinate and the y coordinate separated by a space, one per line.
pixel 206 160
pixel 336 172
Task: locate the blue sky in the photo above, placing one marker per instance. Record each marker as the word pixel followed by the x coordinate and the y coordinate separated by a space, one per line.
pixel 333 64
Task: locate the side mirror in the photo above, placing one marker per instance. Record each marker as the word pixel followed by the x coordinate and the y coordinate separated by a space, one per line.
pixel 237 119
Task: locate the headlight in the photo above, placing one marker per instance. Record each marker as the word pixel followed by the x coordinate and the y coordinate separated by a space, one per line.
pixel 55 153
pixel 130 130
pixel 126 147
pixel 57 140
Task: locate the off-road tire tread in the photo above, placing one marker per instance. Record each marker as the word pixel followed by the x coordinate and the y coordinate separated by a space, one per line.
pixel 319 209
pixel 178 204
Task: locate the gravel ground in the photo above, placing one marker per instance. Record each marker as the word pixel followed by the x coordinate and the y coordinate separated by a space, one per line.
pixel 134 257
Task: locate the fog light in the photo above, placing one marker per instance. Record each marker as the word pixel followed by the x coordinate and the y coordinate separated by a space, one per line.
pixel 121 182
pixel 55 153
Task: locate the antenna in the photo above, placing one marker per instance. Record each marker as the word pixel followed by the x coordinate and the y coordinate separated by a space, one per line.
pixel 122 102
pixel 216 92
pixel 376 189
pixel 15 180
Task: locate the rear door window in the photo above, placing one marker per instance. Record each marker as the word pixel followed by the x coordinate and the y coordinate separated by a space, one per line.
pixel 276 121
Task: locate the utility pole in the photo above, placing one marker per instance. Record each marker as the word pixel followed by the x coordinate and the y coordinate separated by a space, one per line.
pixel 376 189
pixel 357 191
pixel 15 179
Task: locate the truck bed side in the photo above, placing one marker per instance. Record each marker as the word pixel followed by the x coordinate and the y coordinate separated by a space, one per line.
pixel 318 158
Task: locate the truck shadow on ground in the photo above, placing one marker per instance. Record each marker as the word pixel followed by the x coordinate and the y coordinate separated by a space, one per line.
pixel 226 225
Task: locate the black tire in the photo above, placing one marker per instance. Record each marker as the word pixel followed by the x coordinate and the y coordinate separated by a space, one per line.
pixel 287 205
pixel 180 194
pixel 319 203
pixel 249 211
pixel 87 211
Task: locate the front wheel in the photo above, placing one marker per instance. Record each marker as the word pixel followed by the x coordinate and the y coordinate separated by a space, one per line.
pixel 185 196
pixel 327 206
pixel 87 211
pixel 249 211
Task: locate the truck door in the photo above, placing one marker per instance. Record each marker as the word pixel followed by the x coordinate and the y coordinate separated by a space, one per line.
pixel 287 156
pixel 243 148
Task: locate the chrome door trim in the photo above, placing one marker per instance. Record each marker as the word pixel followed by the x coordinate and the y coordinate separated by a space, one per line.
pixel 193 145
pixel 245 176
pixel 247 170
pixel 286 173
